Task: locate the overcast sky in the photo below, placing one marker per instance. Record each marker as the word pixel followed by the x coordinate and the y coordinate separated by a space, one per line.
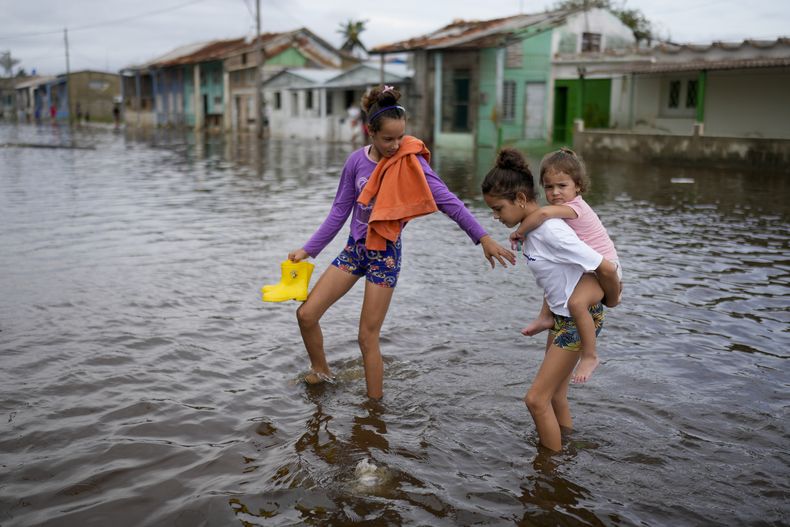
pixel 108 35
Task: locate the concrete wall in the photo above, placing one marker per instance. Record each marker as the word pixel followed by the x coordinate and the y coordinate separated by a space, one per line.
pixel 729 152
pixel 748 103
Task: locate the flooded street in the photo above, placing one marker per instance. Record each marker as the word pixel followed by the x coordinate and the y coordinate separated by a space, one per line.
pixel 145 383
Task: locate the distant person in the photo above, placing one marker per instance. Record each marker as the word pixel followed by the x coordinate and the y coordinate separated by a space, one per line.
pixel 564 180
pixel 116 115
pixel 354 119
pixel 382 186
pixel 79 113
pixel 559 260
pixel 53 113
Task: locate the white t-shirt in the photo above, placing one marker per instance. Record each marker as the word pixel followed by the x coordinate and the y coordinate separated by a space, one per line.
pixel 558 259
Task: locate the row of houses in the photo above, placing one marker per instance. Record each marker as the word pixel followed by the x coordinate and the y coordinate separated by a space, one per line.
pixel 512 80
pixel 82 95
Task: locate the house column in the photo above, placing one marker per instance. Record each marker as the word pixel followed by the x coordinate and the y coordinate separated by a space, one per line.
pixel 196 98
pixel 322 113
pixel 699 125
pixel 138 96
pixel 500 93
pixel 154 96
pixel 227 106
pixel 437 95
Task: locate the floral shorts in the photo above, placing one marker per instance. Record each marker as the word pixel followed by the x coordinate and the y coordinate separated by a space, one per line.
pixel 565 335
pixel 378 267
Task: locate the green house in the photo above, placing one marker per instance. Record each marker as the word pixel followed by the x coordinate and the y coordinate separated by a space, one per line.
pixel 494 82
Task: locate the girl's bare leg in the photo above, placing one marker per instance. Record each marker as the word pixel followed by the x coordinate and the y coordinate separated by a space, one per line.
pixel 544 321
pixel 587 293
pixel 374 310
pixel 332 285
pixel 550 385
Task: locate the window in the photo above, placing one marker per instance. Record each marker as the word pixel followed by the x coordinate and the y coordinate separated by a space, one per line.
pixel 691 94
pixel 509 101
pixel 278 100
pixel 244 58
pixel 679 97
pixel 329 103
pixel 674 94
pixel 591 42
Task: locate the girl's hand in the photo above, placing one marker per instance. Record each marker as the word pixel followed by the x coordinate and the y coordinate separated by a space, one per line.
pixel 298 255
pixel 515 240
pixel 492 250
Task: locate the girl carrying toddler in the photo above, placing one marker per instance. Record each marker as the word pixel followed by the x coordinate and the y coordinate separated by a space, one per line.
pixel 564 180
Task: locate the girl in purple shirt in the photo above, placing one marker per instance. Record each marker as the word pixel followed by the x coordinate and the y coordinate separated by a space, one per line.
pixel 386 127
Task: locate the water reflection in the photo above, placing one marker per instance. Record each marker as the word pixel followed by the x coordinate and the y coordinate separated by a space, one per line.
pixel 145 382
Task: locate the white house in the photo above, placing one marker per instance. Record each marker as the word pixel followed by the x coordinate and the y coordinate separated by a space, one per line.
pixel 314 104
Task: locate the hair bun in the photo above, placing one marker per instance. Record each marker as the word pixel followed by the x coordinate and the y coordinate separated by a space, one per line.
pixel 380 96
pixel 511 159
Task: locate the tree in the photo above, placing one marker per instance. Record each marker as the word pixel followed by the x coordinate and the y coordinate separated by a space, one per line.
pixel 8 63
pixel 351 30
pixel 640 26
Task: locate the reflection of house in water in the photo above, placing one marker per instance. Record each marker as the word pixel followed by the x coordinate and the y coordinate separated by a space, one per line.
pixel 213 84
pixel 314 104
pixel 484 83
pixel 714 104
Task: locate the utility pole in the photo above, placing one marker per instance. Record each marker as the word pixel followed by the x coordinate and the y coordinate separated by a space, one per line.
pixel 68 76
pixel 258 71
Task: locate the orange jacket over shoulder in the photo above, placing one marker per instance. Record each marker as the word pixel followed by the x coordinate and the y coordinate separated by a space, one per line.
pixel 401 192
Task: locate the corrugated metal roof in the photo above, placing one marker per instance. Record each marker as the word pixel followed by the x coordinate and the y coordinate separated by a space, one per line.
pixel 473 33
pixel 215 50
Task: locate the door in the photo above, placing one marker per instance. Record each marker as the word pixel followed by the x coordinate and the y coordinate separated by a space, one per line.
pixel 535 110
pixel 560 114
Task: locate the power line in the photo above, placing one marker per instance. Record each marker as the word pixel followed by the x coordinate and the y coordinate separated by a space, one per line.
pixel 105 23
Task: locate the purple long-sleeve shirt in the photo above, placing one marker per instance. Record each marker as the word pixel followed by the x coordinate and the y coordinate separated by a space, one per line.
pixel 356 173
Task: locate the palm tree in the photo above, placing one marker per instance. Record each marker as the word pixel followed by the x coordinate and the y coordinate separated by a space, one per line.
pixel 351 30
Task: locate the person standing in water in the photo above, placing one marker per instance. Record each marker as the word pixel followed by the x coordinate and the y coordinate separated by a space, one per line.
pixel 379 207
pixel 558 259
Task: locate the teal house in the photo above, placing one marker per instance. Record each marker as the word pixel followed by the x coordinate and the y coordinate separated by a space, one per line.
pixel 494 82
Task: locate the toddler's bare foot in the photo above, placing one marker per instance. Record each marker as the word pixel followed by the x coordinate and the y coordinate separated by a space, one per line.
pixel 538 325
pixel 584 369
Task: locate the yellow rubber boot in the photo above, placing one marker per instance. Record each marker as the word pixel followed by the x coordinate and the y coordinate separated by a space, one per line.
pixel 293 284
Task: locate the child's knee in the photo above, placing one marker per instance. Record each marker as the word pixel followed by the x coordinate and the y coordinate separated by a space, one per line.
pixel 578 305
pixel 305 317
pixel 367 340
pixel 536 401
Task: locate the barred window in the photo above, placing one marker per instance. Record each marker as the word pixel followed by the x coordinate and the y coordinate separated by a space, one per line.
pixel 591 42
pixel 509 101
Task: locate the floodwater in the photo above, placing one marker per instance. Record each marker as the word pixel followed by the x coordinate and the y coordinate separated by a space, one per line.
pixel 145 383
